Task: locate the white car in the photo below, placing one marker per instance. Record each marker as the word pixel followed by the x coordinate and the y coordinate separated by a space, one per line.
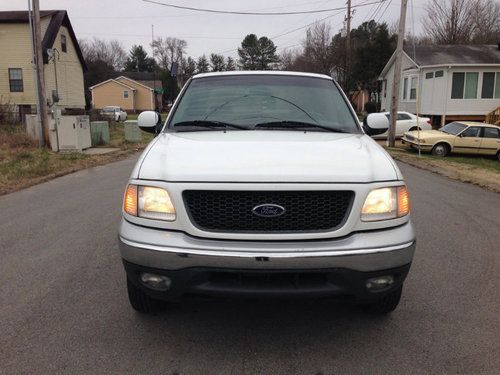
pixel 113 112
pixel 406 122
pixel 264 184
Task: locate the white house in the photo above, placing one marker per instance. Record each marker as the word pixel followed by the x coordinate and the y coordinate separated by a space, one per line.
pixel 447 82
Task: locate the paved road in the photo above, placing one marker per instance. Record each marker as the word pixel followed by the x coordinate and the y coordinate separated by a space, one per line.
pixel 63 305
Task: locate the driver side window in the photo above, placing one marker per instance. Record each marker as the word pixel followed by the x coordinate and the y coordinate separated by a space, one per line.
pixel 472 131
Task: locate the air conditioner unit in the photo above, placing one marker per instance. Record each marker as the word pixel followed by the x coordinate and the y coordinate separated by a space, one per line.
pixel 73 133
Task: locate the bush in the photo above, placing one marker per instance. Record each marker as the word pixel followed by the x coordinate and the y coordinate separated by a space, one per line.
pixel 371 107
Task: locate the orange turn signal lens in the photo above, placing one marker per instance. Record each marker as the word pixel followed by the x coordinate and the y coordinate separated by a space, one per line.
pixel 130 200
pixel 403 201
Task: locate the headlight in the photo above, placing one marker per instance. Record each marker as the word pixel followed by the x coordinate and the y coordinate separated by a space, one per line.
pixel 148 202
pixel 386 203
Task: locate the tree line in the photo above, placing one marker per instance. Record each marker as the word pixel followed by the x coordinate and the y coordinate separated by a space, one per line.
pixel 320 51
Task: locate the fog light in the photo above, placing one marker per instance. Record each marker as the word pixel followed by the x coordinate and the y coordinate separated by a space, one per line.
pixel 378 284
pixel 156 282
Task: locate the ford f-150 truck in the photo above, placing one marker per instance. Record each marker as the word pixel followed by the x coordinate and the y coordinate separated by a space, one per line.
pixel 265 184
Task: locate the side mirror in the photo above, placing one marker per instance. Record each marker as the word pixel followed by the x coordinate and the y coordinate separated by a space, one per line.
pixel 375 123
pixel 147 121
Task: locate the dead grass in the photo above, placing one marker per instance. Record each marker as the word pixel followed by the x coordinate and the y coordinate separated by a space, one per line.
pixel 477 170
pixel 23 164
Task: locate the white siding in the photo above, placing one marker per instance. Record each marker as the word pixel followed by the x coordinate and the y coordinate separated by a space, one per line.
pixel 406 64
pixel 477 106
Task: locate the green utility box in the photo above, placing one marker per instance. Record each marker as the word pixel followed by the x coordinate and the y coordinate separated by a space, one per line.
pixel 99 132
pixel 132 131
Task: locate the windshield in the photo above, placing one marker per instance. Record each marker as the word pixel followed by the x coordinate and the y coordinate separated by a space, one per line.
pixel 453 128
pixel 289 102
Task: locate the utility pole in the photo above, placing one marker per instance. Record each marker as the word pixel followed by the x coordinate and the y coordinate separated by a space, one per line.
pixel 39 128
pixel 397 75
pixel 42 102
pixel 347 46
pixel 154 64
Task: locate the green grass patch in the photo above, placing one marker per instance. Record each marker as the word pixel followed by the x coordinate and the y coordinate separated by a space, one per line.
pixel 479 161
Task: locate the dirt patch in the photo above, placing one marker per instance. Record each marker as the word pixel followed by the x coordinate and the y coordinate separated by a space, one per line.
pixel 487 177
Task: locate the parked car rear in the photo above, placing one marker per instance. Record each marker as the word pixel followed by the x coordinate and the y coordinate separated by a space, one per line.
pixel 114 113
pixel 405 122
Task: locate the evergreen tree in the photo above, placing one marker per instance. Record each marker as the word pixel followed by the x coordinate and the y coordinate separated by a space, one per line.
pixel 257 53
pixel 217 63
pixel 202 64
pixel 230 65
pixel 139 61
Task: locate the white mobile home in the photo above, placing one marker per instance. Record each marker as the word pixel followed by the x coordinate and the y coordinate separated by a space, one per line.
pixel 447 82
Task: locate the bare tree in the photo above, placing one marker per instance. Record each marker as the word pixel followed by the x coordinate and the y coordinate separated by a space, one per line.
pixel 486 20
pixel 450 21
pixel 317 48
pixel 111 52
pixel 169 50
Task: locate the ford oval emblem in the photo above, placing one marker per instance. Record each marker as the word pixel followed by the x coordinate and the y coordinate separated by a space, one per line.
pixel 268 210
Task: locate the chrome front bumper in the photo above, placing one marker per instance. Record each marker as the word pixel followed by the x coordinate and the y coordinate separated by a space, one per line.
pixel 363 251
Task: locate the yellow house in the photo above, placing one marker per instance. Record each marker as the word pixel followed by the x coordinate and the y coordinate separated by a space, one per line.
pixel 127 93
pixel 63 61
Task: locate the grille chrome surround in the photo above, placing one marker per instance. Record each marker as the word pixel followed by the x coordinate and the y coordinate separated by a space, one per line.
pixel 230 211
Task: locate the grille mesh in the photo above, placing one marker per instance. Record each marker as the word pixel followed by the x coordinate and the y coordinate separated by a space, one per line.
pixel 231 211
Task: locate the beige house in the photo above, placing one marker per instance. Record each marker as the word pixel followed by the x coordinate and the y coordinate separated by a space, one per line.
pixel 127 93
pixel 63 61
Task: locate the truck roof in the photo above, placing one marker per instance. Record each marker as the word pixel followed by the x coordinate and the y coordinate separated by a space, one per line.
pixel 261 72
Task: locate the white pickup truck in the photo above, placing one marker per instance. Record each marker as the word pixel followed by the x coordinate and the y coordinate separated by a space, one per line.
pixel 265 184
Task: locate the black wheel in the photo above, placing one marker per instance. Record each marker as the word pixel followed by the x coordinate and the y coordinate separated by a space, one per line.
pixel 441 149
pixel 140 301
pixel 386 304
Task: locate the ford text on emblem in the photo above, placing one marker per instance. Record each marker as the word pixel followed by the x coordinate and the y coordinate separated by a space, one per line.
pixel 268 210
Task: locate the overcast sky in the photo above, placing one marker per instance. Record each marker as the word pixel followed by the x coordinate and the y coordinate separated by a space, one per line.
pixel 130 20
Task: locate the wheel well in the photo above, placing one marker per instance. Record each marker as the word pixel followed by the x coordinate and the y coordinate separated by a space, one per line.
pixel 413 128
pixel 446 144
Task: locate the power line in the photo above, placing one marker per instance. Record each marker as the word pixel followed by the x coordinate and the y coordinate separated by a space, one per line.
pixel 375 11
pixel 186 15
pixel 385 10
pixel 303 27
pixel 254 13
pixel 323 2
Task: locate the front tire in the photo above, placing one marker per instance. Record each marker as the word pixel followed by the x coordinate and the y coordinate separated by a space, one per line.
pixel 140 301
pixel 386 304
pixel 441 149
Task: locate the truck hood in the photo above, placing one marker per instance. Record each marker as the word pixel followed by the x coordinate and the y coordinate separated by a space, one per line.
pixel 265 156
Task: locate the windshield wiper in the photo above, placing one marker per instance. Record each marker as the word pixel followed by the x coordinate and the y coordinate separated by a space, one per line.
pixel 209 124
pixel 290 124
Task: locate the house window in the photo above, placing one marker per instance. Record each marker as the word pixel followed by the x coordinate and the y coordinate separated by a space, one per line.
pixel 64 47
pixel 413 88
pixel 125 94
pixel 491 86
pixel 471 85
pixel 464 85
pixel 429 75
pixel 439 73
pixel 405 88
pixel 16 80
